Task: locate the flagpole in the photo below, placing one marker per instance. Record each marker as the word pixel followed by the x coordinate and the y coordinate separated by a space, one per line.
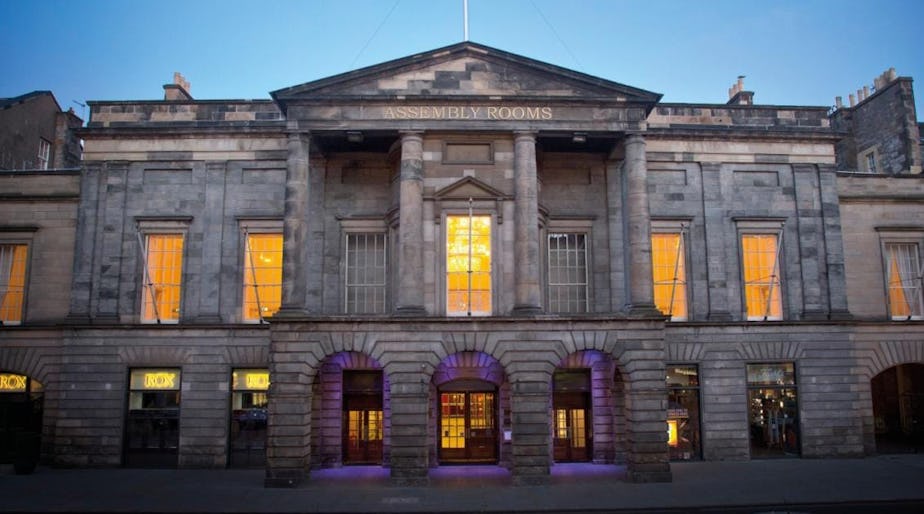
pixel 465 19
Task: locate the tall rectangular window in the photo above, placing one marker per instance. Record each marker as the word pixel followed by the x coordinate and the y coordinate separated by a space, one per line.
pixel 773 410
pixel 365 273
pixel 468 265
pixel 44 154
pixel 903 268
pixel 683 430
pixel 262 275
pixel 567 273
pixel 669 274
pixel 160 298
pixel 760 255
pixel 12 282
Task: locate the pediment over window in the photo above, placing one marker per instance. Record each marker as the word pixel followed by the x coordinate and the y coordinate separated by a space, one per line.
pixel 469 187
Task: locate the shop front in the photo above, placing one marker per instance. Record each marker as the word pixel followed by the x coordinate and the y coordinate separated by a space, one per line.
pixel 571 403
pixel 152 423
pixel 773 410
pixel 21 404
pixel 247 432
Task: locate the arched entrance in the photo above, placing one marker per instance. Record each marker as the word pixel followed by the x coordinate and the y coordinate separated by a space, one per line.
pixel 349 412
pixel 468 392
pixel 21 404
pixel 898 409
pixel 583 405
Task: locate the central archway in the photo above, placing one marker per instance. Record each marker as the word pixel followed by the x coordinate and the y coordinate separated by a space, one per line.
pixel 470 416
pixel 898 409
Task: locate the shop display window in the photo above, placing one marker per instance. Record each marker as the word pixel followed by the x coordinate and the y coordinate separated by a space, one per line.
pixel 247 434
pixel 152 426
pixel 773 410
pixel 683 421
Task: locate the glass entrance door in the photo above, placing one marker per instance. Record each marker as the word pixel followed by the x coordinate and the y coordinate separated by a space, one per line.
pixel 468 431
pixel 362 435
pixel 571 424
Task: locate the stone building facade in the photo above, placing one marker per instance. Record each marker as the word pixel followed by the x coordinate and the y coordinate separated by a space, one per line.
pixel 35 134
pixel 465 256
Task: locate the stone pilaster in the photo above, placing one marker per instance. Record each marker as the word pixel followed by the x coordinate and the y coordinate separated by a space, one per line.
pixel 528 297
pixel 410 258
pixel 638 228
pixel 811 244
pixel 616 231
pixel 85 247
pixel 295 227
pixel 531 424
pixel 833 244
pixel 210 278
pixel 648 458
pixel 110 249
pixel 409 395
pixel 715 231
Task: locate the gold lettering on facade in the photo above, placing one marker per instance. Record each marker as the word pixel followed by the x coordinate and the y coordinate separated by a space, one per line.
pixel 160 380
pixel 16 383
pixel 458 112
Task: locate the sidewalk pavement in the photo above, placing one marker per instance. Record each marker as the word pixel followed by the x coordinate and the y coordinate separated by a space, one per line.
pixel 877 484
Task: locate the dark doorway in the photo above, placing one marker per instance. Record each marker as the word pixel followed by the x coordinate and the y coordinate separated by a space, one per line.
pixel 247 433
pixel 898 409
pixel 21 403
pixel 152 425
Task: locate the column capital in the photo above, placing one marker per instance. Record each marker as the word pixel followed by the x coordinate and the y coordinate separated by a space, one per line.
pixel 525 134
pixel 634 138
pixel 410 134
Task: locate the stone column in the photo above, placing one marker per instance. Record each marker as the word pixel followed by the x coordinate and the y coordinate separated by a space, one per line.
pixel 531 420
pixel 295 227
pixel 642 360
pixel 288 438
pixel 528 298
pixel 410 231
pixel 638 229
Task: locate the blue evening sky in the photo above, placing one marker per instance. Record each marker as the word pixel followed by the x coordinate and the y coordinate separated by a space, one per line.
pixel 793 52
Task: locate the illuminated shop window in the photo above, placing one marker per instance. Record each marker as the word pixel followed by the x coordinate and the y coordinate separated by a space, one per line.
pixel 903 269
pixel 773 410
pixel 12 282
pixel 683 426
pixel 247 434
pixel 152 426
pixel 669 274
pixel 262 275
pixel 160 298
pixel 567 273
pixel 365 273
pixel 468 265
pixel 760 254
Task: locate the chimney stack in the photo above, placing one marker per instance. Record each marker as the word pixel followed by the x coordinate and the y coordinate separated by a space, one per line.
pixel 179 90
pixel 738 96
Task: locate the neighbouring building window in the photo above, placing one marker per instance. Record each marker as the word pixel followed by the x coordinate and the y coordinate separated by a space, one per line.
pixel 773 409
pixel 262 275
pixel 668 267
pixel 468 265
pixel 903 271
pixel 869 161
pixel 12 282
pixel 567 279
pixel 683 426
pixel 44 154
pixel 760 256
pixel 365 273
pixel 247 435
pixel 163 272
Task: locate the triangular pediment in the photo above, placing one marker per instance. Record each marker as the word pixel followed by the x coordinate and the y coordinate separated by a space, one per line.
pixel 464 70
pixel 468 187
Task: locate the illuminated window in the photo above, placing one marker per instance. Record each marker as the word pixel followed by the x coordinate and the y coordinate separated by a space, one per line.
pixel 160 299
pixel 12 282
pixel 262 275
pixel 761 269
pixel 669 274
pixel 44 154
pixel 567 273
pixel 903 269
pixel 468 265
pixel 365 273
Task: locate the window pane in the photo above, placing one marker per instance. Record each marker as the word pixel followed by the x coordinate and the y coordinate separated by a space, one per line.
pixel 468 265
pixel 567 274
pixel 669 274
pixel 365 273
pixel 12 282
pixel 904 281
pixel 262 275
pixel 760 260
pixel 161 294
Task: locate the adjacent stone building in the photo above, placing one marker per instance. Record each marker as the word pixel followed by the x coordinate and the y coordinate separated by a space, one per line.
pixel 468 256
